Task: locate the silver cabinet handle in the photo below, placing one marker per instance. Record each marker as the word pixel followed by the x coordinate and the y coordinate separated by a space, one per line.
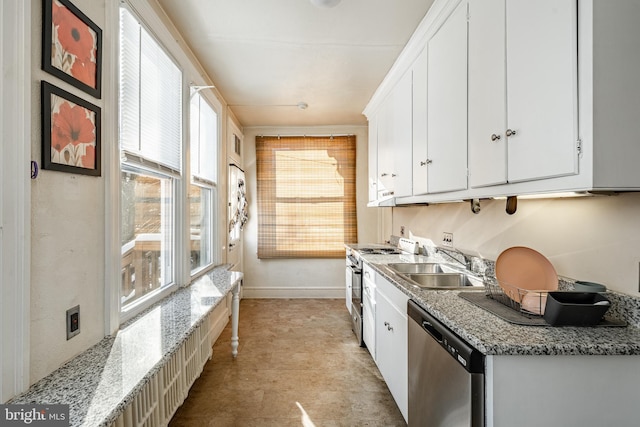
pixel 393 175
pixel 510 132
pixel 426 162
pixel 366 274
pixel 384 174
pixel 388 325
pixel 495 137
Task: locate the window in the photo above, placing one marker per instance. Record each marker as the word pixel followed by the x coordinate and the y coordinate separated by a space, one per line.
pixel 306 196
pixel 151 162
pixel 204 159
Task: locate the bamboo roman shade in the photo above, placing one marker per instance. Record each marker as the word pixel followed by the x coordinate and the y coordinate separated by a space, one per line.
pixel 306 196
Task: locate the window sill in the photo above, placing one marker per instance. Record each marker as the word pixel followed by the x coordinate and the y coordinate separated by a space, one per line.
pixel 100 383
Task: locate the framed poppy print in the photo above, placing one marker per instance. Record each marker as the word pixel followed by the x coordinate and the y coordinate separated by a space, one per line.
pixel 70 132
pixel 71 46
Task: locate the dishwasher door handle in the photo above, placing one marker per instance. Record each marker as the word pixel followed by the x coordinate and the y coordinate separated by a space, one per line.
pixel 431 330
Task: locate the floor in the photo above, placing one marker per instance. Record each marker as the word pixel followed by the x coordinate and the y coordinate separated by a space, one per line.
pixel 298 365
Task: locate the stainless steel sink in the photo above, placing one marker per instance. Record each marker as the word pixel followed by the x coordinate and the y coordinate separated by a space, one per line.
pixel 435 276
pixel 439 280
pixel 425 267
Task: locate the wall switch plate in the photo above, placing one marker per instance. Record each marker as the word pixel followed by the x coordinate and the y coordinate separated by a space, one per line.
pixel 73 322
pixel 447 239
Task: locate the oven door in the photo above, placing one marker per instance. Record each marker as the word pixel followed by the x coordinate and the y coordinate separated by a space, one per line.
pixel 356 287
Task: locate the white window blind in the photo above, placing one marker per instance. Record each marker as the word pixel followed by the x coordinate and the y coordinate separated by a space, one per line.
pixel 150 107
pixel 204 139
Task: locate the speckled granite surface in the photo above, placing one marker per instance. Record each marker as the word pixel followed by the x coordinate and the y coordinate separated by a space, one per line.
pixel 494 336
pixel 99 383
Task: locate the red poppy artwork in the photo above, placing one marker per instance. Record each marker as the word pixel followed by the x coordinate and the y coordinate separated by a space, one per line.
pixel 71 132
pixel 71 46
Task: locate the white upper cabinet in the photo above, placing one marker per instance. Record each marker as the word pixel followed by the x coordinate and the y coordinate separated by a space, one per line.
pixel 386 165
pixel 447 104
pixel 420 151
pixel 522 90
pixel 497 108
pixel 402 154
pixel 393 129
pixel 373 158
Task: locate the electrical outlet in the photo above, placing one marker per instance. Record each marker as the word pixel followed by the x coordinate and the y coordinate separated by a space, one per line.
pixel 447 239
pixel 73 322
pixel 402 230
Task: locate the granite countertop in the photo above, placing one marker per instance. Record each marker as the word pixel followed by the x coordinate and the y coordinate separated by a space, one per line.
pixel 493 336
pixel 99 383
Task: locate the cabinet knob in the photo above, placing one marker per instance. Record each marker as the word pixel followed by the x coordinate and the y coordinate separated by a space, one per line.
pixel 393 175
pixel 510 132
pixel 426 162
pixel 495 137
pixel 384 174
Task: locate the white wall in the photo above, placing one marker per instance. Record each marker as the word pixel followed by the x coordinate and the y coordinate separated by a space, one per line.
pixel 588 238
pixel 301 278
pixel 67 234
pixel 68 237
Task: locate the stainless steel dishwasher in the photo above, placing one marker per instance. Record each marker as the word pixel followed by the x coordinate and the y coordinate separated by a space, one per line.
pixel 446 375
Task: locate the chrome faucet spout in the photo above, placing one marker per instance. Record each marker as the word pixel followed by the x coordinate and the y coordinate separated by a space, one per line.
pixel 466 263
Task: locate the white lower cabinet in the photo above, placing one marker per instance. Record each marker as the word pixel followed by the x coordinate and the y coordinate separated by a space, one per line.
pixel 562 390
pixel 391 340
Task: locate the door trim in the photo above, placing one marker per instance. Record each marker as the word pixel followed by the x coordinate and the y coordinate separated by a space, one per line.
pixel 15 196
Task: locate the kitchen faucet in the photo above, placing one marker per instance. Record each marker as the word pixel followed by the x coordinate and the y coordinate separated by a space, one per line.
pixel 467 260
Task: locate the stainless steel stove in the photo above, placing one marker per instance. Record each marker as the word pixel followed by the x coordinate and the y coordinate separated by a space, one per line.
pixel 354 263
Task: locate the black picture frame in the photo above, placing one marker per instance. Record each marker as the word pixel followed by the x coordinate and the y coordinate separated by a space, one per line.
pixel 67 127
pixel 71 46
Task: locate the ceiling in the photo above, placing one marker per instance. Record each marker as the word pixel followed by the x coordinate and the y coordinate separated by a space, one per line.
pixel 267 56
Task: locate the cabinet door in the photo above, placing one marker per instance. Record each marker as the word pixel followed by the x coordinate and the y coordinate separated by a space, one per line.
pixel 402 153
pixel 369 312
pixel 385 148
pixel 541 88
pixel 487 93
pixel 447 104
pixel 373 158
pixel 391 349
pixel 419 124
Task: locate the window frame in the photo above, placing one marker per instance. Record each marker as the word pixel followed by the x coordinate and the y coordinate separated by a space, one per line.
pixel 276 241
pixel 205 182
pixel 148 16
pixel 128 311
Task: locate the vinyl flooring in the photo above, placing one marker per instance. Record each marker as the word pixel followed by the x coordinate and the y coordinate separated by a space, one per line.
pixel 298 365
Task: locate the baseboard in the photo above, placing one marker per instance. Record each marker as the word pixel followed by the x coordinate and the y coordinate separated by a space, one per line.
pixel 284 292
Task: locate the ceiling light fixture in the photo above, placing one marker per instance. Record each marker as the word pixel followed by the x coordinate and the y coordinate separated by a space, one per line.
pixel 325 3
